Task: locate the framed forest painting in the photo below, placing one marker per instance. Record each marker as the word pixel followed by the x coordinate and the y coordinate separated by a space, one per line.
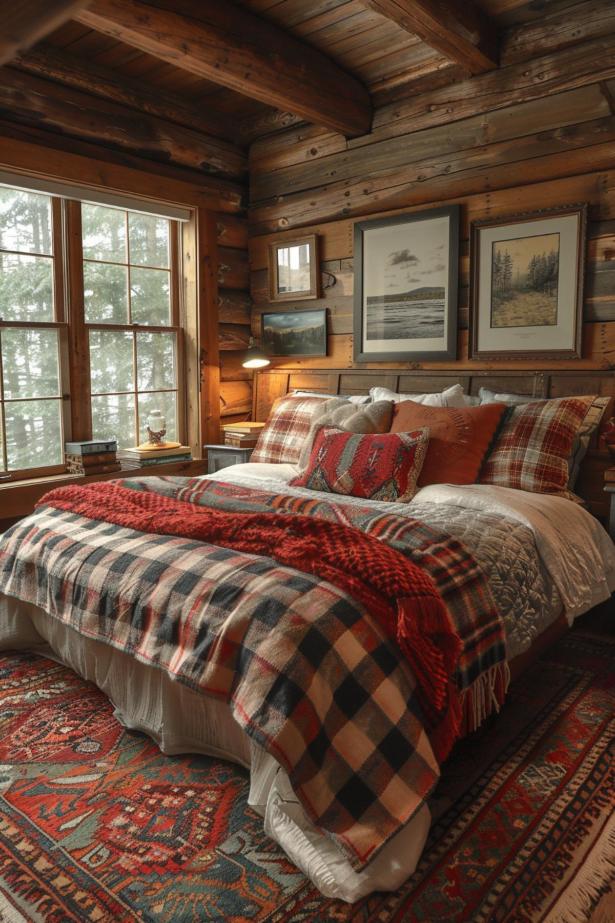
pixel 527 285
pixel 405 275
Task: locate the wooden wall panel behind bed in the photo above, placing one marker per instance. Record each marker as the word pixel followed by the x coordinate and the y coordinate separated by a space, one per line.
pixel 272 384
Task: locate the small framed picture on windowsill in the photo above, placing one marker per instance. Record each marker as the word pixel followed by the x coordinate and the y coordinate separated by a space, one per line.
pixel 527 285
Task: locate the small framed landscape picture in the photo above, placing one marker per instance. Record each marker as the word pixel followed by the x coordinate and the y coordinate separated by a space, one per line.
pixel 295 333
pixel 405 274
pixel 527 285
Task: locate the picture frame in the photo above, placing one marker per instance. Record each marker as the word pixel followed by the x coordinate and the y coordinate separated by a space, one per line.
pixel 294 333
pixel 406 271
pixel 294 269
pixel 527 285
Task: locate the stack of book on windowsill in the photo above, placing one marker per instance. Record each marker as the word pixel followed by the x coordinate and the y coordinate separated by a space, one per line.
pixel 146 455
pixel 91 456
pixel 242 435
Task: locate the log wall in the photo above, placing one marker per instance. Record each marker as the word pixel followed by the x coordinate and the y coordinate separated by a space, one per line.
pixel 538 132
pixel 234 314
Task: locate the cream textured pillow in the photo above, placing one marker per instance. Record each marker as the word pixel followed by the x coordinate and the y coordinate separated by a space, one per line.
pixel 353 398
pixel 450 397
pixel 365 420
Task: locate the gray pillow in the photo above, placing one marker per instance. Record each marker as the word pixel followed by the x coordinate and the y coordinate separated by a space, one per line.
pixel 366 419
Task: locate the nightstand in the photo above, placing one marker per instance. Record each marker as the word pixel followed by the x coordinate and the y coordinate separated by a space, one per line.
pixel 221 456
pixel 609 486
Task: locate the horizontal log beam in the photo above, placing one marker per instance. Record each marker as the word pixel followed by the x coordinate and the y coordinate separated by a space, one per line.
pixel 51 155
pixel 232 47
pixel 25 22
pixel 547 75
pixel 456 28
pixel 402 189
pixel 54 64
pixel 544 115
pixel 40 103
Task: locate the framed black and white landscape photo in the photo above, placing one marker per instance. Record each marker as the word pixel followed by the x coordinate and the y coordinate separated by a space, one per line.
pixel 405 273
pixel 527 285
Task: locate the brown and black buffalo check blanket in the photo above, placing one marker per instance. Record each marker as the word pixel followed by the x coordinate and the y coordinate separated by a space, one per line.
pixel 307 672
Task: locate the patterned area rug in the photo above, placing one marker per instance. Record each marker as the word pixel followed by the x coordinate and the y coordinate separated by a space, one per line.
pixel 97 825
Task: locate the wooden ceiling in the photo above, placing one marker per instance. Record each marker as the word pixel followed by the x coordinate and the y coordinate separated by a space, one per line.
pixel 326 62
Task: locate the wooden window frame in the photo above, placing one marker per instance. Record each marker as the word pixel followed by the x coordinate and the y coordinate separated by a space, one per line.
pixel 82 414
pixel 73 339
pixel 59 324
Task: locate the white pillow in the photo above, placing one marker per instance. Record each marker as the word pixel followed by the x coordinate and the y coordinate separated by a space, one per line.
pixel 353 398
pixel 450 397
pixel 493 397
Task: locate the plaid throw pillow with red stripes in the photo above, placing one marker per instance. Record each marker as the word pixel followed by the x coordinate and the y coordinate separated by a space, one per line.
pixel 533 449
pixel 287 429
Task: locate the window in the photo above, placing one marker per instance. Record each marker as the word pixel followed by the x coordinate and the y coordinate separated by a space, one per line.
pixel 127 286
pixel 122 271
pixel 31 315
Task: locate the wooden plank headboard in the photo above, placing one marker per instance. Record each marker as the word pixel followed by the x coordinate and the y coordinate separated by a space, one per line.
pixel 272 384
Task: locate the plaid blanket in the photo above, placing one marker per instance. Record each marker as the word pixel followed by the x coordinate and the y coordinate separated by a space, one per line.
pixel 307 672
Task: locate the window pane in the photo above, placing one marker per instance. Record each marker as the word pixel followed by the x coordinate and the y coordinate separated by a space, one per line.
pixel 113 418
pixel 155 361
pixel 30 363
pixel 148 240
pixel 105 293
pixel 149 296
pixel 25 221
pixel 166 403
pixel 104 233
pixel 26 288
pixel 34 434
pixel 111 361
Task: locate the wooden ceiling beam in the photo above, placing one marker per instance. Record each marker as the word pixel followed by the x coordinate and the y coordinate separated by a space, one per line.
pixel 32 101
pixel 51 63
pixel 458 29
pixel 24 22
pixel 230 46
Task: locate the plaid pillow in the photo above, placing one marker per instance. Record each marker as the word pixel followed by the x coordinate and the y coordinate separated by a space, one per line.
pixel 380 466
pixel 286 430
pixel 533 449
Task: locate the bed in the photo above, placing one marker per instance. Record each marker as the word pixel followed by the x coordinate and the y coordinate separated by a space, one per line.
pixel 545 560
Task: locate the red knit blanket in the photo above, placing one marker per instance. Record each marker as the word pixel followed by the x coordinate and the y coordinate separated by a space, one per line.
pixel 395 591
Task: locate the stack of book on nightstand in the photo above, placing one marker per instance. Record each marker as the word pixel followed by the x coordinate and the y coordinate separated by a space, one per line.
pixel 91 456
pixel 242 435
pixel 146 456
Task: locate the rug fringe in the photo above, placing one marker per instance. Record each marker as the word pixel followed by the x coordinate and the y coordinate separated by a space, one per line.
pixel 484 696
pixel 577 900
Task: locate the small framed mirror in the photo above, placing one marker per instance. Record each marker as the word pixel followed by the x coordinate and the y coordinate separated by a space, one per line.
pixel 294 269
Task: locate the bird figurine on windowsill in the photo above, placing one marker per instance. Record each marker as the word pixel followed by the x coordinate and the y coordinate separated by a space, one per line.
pixel 156 431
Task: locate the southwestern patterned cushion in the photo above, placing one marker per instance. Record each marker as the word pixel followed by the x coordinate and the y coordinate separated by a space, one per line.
pixel 533 449
pixel 340 414
pixel 376 466
pixel 286 430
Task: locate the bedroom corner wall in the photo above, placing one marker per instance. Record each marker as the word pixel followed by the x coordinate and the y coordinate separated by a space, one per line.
pixel 234 318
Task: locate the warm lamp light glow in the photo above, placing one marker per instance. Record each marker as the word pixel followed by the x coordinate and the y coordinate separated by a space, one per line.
pixel 255 358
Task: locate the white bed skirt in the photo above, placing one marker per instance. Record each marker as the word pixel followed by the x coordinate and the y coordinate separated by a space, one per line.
pixel 182 721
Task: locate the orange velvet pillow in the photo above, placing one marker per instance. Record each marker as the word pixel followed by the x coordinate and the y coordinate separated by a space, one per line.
pixel 459 438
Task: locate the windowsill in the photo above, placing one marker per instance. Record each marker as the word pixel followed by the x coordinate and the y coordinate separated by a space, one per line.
pixel 18 498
